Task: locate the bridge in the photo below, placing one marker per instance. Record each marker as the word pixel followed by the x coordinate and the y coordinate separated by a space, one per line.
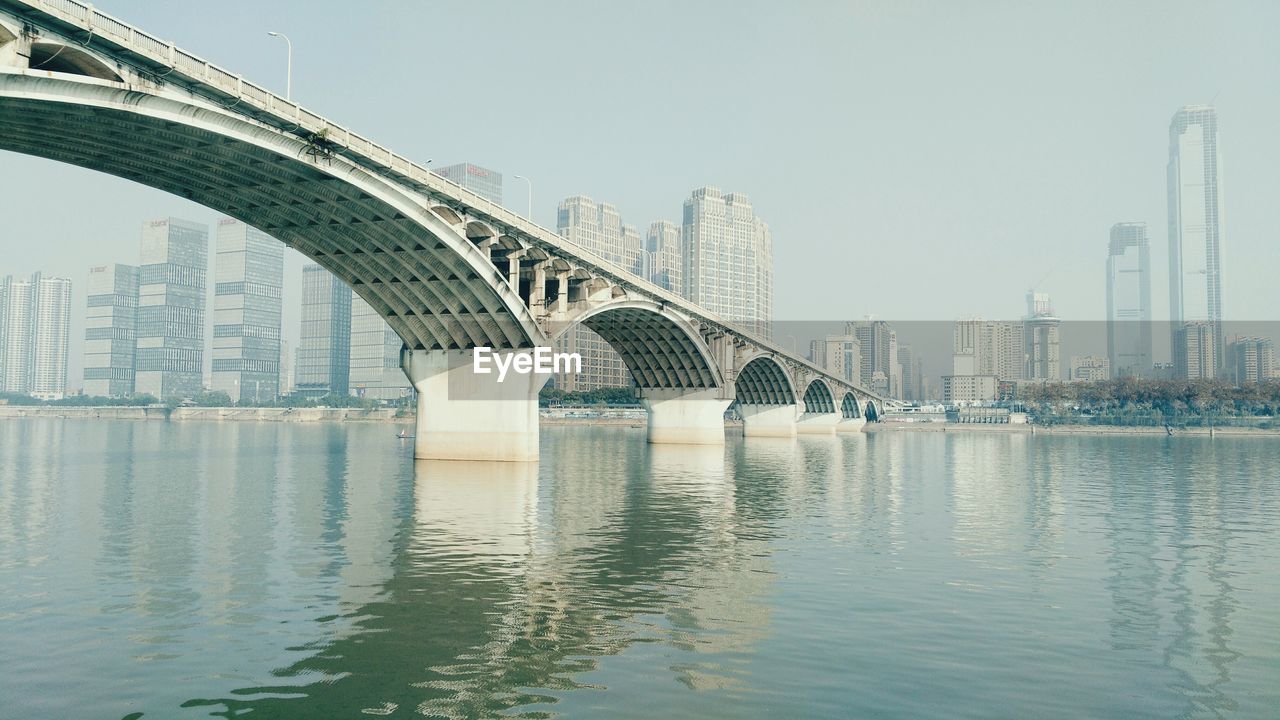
pixel 449 270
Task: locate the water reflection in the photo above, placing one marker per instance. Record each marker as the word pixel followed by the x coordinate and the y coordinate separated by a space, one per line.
pixel 319 571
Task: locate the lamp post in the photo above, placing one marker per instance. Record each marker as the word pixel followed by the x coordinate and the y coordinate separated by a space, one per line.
pixel 529 213
pixel 288 78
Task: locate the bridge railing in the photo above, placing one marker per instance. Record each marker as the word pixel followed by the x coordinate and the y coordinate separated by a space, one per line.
pixel 360 149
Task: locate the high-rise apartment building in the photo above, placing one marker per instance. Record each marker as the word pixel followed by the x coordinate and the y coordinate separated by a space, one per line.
pixel 375 356
pixel 728 259
pixel 598 229
pixel 481 181
pixel 1129 300
pixel 666 259
pixel 324 346
pixel 1195 224
pixel 839 355
pixel 249 282
pixel 35 328
pixel 989 347
pixel 1195 351
pixel 879 349
pixel 173 267
pixel 110 327
pixel 1250 360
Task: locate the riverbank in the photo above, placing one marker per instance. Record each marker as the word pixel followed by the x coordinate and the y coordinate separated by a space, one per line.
pixel 196 414
pixel 1027 429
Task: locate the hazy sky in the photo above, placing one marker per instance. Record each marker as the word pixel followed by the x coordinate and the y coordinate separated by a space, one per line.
pixel 916 161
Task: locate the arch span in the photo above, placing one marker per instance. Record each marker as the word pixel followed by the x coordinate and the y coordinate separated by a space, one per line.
pixel 659 348
pixel 849 407
pixel 818 397
pixel 763 381
pixel 56 57
pixel 432 285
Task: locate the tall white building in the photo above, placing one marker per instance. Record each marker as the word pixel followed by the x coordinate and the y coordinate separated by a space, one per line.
pixel 375 356
pixel 323 365
pixel 1129 301
pixel 1041 329
pixel 666 258
pixel 598 229
pixel 111 316
pixel 249 282
pixel 840 355
pixel 35 326
pixel 171 304
pixel 728 258
pixel 1195 224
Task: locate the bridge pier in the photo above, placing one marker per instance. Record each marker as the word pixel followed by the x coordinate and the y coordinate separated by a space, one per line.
pixel 685 417
pixel 850 425
pixel 812 423
pixel 768 420
pixel 463 415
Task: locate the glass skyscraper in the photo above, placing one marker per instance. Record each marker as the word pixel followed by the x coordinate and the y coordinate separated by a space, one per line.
pixel 171 303
pixel 249 277
pixel 375 356
pixel 111 316
pixel 1195 227
pixel 1129 300
pixel 324 347
pixel 481 181
pixel 728 258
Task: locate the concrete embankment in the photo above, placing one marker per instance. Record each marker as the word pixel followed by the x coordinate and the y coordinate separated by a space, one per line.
pixel 1025 429
pixel 231 414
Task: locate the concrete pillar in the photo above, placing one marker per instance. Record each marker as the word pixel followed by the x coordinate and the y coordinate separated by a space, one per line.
pixel 513 271
pixel 562 292
pixel 686 417
pixel 769 420
pixel 817 423
pixel 463 415
pixel 850 425
pixel 538 288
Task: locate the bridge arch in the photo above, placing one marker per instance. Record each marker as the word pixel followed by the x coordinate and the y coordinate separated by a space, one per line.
pixel 872 410
pixel 763 381
pixel 660 349
pixel 849 407
pixel 818 397
pixel 56 57
pixel 433 286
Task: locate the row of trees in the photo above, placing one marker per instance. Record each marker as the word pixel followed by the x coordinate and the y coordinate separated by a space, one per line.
pixel 550 397
pixel 1131 397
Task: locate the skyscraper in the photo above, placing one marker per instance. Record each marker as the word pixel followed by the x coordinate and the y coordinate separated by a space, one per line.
pixel 1195 222
pixel 1194 351
pixel 375 356
pixel 1251 360
pixel 598 229
pixel 912 374
pixel 171 303
pixel 728 259
pixel 324 347
pixel 878 345
pixel 249 277
pixel 666 261
pixel 481 181
pixel 111 316
pixel 1129 300
pixel 35 325
pixel 1042 333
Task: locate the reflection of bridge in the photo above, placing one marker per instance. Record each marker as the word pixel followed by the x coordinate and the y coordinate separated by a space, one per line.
pixel 449 270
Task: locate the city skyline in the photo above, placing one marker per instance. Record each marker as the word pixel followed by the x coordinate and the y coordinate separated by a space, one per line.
pixel 892 228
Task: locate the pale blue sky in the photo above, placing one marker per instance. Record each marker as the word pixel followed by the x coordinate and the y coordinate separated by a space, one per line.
pixel 916 160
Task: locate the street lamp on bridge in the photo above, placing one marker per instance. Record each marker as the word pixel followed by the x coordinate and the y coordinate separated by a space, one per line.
pixel 288 78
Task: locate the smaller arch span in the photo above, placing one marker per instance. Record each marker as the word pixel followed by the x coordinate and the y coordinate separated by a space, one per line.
pixel 849 407
pixel 818 397
pixel 763 381
pixel 657 348
pixel 55 57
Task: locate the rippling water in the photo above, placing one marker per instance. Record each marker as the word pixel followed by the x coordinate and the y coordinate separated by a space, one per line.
pixel 189 570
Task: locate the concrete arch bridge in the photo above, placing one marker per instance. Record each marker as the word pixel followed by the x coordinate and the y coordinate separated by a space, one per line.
pixel 448 270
